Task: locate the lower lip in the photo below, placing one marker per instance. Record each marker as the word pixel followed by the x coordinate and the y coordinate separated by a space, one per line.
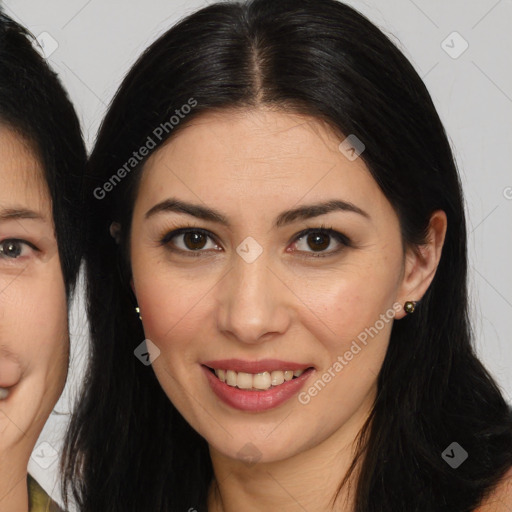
pixel 256 401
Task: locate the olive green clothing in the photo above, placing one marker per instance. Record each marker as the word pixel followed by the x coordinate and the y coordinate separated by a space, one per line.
pixel 38 500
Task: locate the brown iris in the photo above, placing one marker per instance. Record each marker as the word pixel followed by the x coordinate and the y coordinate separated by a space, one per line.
pixel 194 240
pixel 318 241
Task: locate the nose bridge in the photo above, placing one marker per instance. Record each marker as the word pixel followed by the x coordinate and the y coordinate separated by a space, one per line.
pixel 251 301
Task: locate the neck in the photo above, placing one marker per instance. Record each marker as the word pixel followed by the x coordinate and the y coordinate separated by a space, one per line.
pixel 287 486
pixel 13 488
pixel 309 480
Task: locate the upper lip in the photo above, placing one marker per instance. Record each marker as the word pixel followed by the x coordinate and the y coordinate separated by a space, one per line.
pixel 263 365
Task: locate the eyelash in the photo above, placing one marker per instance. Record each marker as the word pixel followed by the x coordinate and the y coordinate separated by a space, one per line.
pixel 16 241
pixel 339 237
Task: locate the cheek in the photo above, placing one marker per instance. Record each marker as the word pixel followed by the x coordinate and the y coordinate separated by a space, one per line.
pixel 337 303
pixel 172 309
pixel 33 324
pixel 34 328
pixel 340 305
pixel 352 324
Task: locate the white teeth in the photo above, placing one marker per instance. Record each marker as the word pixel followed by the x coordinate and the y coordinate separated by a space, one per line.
pixel 261 381
pixel 231 378
pixel 277 378
pixel 4 393
pixel 244 380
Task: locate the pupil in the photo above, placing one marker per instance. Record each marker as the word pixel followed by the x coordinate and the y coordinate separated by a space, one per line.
pixel 194 240
pixel 10 249
pixel 317 239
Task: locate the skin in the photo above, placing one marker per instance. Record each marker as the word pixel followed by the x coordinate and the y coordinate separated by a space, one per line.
pixel 33 316
pixel 500 499
pixel 287 304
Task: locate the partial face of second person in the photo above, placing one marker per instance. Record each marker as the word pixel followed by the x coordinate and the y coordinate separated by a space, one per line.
pixel 33 309
pixel 214 299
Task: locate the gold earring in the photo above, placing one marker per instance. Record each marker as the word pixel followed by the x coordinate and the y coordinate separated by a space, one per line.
pixel 137 310
pixel 410 306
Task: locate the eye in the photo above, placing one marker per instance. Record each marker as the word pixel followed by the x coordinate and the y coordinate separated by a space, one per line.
pixel 197 241
pixel 13 248
pixel 189 240
pixel 321 242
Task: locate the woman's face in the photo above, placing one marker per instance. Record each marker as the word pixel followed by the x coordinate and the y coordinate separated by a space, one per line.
pixel 33 310
pixel 245 290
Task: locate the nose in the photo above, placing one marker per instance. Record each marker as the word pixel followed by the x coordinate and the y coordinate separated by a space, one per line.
pixel 253 303
pixel 10 370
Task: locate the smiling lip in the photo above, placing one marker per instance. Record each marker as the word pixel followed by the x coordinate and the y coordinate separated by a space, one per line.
pixel 255 400
pixel 264 365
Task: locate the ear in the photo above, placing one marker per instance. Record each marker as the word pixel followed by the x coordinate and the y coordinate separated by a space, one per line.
pixel 421 262
pixel 115 231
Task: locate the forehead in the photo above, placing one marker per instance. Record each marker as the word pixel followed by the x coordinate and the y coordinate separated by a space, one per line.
pixel 22 180
pixel 261 136
pixel 260 153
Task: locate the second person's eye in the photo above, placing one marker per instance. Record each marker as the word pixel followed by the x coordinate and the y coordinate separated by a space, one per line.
pixel 14 248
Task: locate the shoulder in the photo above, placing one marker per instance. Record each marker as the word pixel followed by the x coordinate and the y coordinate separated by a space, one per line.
pixel 500 499
pixel 39 501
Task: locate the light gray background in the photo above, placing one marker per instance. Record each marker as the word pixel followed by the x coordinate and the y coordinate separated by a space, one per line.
pixel 99 40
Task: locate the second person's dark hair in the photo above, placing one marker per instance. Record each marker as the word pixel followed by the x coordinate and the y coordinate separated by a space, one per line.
pixel 34 103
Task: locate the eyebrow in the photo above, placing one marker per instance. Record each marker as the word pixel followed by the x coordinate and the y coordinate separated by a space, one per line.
pixel 19 213
pixel 284 218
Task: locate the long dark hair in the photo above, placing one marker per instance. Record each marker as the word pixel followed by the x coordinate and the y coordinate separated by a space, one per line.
pixel 127 447
pixel 35 105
